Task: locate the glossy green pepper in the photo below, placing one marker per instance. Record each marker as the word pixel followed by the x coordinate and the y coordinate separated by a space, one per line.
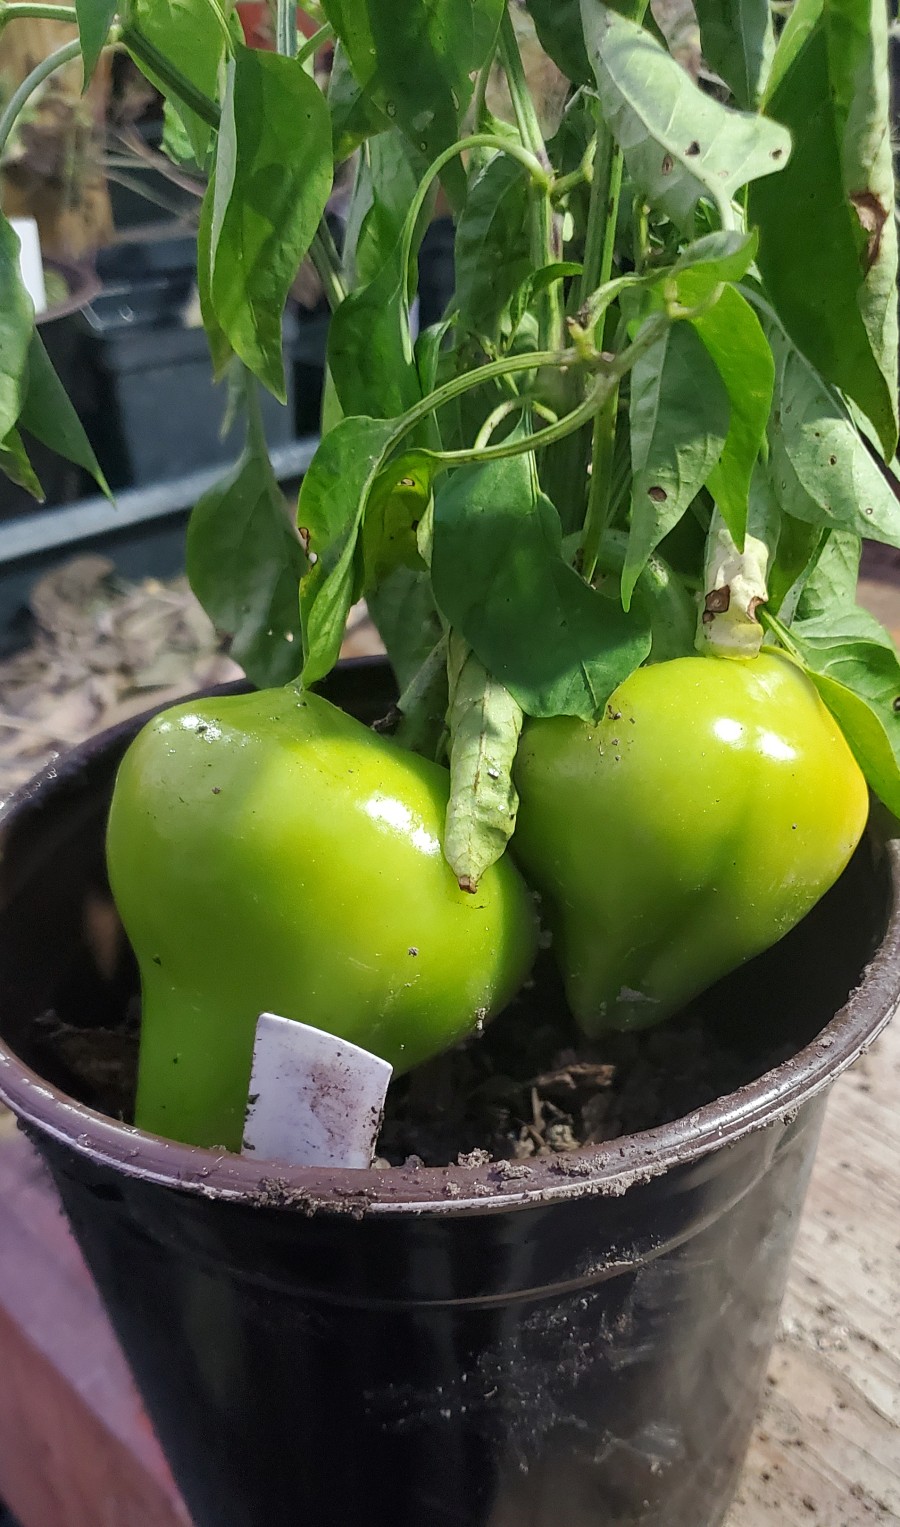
pixel 268 852
pixel 688 830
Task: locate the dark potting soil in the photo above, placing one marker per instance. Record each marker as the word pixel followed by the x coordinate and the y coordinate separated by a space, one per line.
pixel 528 1085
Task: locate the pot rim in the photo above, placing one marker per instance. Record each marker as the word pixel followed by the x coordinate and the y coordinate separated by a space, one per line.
pixel 610 1169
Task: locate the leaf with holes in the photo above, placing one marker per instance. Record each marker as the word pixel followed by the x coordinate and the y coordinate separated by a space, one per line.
pixel 679 424
pixel 680 145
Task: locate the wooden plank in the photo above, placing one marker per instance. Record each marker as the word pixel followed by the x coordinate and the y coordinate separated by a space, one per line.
pixel 76 1449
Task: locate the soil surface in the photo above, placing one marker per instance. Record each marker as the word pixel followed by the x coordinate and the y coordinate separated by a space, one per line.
pixel 529 1085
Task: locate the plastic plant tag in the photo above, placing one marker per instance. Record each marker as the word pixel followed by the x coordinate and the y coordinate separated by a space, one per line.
pixel 314 1100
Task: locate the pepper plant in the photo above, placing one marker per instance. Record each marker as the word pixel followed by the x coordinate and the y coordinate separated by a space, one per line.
pixel 645 442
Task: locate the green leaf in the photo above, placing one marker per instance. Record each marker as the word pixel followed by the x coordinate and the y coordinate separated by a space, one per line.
pixel 493 245
pixel 15 465
pixel 370 348
pixel 95 17
pixel 272 180
pixel 48 414
pixel 333 498
pixel 402 608
pixel 387 179
pixel 832 584
pixel 220 348
pixel 354 115
pixel 679 144
pixel 735 339
pixel 820 468
pixel 725 255
pixel 485 725
pixel 398 500
pixel 245 562
pixel 859 681
pixel 16 329
pixel 415 63
pixel 187 33
pixel 500 579
pixel 738 41
pixel 679 423
pixel 845 623
pixel 561 35
pixel 828 243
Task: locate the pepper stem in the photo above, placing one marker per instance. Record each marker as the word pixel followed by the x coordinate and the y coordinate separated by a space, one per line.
pixel 734 586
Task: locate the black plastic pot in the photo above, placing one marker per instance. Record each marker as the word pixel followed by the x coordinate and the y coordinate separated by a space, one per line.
pixel 155 413
pixel 579 1340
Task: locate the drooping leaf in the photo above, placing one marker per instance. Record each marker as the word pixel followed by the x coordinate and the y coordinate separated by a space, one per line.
pixel 820 468
pixel 738 41
pixel 15 464
pixel 680 145
pixel 187 33
pixel 48 414
pixel 832 583
pixel 415 62
pixel 679 424
pixel 485 724
pixel 831 266
pixel 220 348
pixel 272 180
pixel 859 681
pixel 500 579
pixel 95 17
pixel 16 328
pixel 735 339
pixel 245 563
pixel 561 35
pixel 493 245
pixel 333 498
pixel 402 608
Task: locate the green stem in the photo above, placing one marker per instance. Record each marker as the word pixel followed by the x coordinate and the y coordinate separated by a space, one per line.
pixel 149 57
pixel 600 491
pixel 22 12
pixel 314 43
pixel 504 410
pixel 477 140
pixel 779 629
pixel 506 366
pixel 328 266
pixel 286 28
pixel 603 387
pixel 32 82
pixel 546 238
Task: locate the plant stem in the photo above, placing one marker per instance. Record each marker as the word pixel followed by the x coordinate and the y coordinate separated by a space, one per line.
pixel 599 494
pixel 779 629
pixel 22 12
pixel 546 237
pixel 327 261
pixel 32 82
pixel 149 57
pixel 286 28
pixel 312 44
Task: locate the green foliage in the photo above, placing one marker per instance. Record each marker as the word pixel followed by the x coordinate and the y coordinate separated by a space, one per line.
pixel 273 175
pixel 244 562
pixel 485 723
pixel 738 40
pixel 500 579
pixel 95 17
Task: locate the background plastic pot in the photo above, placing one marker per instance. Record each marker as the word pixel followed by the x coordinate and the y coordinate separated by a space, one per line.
pixel 579 1340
